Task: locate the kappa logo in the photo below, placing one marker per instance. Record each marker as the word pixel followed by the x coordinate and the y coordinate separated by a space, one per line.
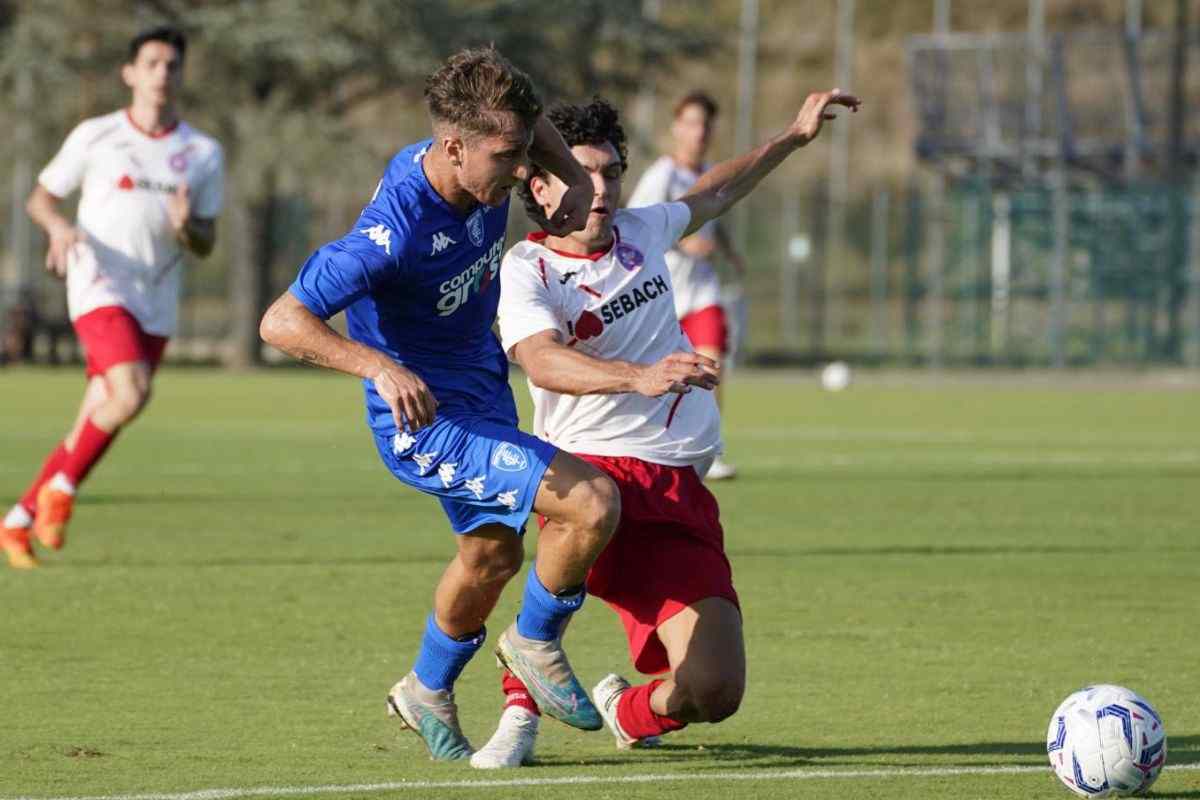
pixel 441 241
pixel 380 235
pixel 509 458
pixel 424 460
pixel 446 473
pixel 475 486
pixel 475 228
pixel 402 443
pixel 508 499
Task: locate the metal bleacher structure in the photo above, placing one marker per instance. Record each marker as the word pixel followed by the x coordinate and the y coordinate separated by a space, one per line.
pixel 1061 223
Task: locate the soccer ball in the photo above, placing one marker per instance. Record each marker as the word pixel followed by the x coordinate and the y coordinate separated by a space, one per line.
pixel 835 376
pixel 1106 741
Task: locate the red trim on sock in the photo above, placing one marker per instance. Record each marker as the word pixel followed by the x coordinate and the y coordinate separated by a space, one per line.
pixel 50 466
pixel 637 719
pixel 515 693
pixel 88 450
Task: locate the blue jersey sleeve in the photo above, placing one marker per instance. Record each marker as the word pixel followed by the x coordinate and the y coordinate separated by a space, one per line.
pixel 367 258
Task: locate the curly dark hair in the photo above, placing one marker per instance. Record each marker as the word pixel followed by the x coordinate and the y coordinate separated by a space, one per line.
pixel 473 89
pixel 595 123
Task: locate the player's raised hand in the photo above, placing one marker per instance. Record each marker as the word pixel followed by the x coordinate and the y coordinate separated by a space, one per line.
pixel 678 373
pixel 179 206
pixel 572 212
pixel 407 395
pixel 63 240
pixel 816 110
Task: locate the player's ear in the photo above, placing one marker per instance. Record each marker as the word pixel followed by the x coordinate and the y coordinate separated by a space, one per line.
pixel 454 148
pixel 540 188
pixel 127 74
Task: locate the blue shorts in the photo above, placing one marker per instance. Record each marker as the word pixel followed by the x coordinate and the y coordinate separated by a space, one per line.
pixel 481 471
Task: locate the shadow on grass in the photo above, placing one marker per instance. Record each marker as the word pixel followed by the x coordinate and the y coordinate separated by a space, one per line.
pixel 720 755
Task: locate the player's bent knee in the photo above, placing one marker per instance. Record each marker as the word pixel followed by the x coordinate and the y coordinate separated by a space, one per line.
pixel 601 508
pixel 716 698
pixel 127 403
pixel 491 561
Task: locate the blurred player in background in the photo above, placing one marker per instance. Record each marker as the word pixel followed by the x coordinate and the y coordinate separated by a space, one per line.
pixel 697 287
pixel 418 279
pixel 590 317
pixel 151 190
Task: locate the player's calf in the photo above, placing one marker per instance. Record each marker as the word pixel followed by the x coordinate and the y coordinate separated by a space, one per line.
pixel 708 698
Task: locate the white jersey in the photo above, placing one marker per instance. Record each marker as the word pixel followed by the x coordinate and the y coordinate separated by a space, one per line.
pixel 696 282
pixel 614 305
pixel 131 257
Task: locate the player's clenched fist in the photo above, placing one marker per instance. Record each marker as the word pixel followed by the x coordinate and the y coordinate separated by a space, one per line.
pixel 407 395
pixel 678 373
pixel 62 241
pixel 816 110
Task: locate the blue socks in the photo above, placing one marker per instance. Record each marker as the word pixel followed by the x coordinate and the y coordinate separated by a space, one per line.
pixel 443 657
pixel 543 614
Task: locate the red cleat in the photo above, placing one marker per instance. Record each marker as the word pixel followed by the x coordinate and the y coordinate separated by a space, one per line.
pixel 15 543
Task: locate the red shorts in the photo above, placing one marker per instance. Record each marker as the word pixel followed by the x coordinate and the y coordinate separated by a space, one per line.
pixel 707 328
pixel 110 335
pixel 667 553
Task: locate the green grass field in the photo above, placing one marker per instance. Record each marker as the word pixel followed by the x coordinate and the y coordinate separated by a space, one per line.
pixel 926 570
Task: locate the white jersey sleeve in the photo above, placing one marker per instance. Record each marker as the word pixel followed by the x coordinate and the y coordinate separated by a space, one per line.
pixel 526 306
pixel 668 220
pixel 654 186
pixel 209 193
pixel 64 174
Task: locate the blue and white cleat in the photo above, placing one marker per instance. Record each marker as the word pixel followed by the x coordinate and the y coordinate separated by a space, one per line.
pixel 607 695
pixel 547 675
pixel 430 714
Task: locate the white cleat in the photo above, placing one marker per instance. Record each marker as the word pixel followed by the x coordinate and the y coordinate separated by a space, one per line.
pixel 512 743
pixel 607 695
pixel 720 470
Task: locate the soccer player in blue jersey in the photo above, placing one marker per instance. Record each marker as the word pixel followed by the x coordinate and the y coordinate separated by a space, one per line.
pixel 418 279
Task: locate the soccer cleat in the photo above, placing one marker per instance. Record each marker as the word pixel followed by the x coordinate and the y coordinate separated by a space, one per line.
pixel 608 695
pixel 53 512
pixel 547 675
pixel 512 743
pixel 430 714
pixel 15 542
pixel 720 470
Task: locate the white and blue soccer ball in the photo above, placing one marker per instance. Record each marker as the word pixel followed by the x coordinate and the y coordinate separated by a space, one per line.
pixel 1106 741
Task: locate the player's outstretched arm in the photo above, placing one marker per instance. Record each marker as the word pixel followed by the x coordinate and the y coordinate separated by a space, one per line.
pixel 550 152
pixel 43 209
pixel 197 234
pixel 553 366
pixel 730 181
pixel 289 326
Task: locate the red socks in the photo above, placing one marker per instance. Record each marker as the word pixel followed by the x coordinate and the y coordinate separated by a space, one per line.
pixel 52 464
pixel 88 450
pixel 637 719
pixel 515 693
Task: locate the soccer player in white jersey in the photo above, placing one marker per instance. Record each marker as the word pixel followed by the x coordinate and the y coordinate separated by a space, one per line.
pixel 151 189
pixel 590 318
pixel 697 286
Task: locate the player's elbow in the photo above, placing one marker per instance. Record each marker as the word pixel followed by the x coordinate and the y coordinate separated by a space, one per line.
pixel 273 326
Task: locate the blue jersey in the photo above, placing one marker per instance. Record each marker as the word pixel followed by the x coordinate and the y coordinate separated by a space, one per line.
pixel 419 280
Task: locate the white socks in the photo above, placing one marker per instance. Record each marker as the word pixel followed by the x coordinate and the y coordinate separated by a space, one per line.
pixel 62 483
pixel 18 517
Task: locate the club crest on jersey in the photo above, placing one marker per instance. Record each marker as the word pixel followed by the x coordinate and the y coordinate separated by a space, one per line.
pixel 475 227
pixel 179 161
pixel 629 256
pixel 509 458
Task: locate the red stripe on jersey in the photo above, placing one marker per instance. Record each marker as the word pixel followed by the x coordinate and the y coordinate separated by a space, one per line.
pixel 572 343
pixel 590 290
pixel 674 406
pixel 542 269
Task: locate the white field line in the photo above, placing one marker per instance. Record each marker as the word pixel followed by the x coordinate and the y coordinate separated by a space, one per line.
pixel 578 780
